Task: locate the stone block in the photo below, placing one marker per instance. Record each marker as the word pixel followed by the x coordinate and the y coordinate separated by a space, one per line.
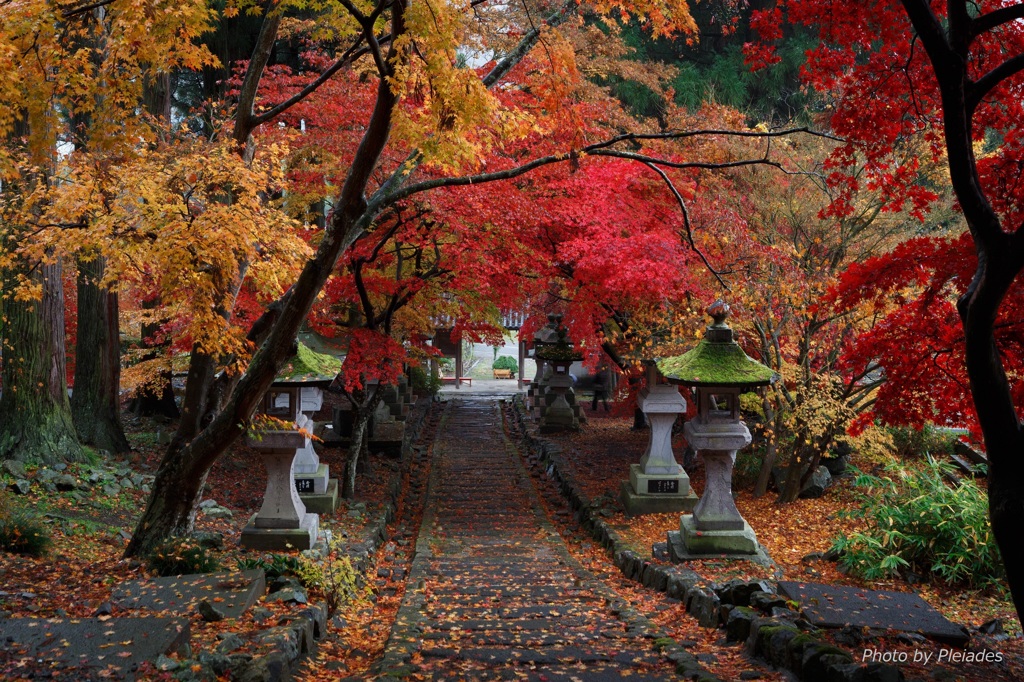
pixel 85 647
pixel 837 606
pixel 323 503
pixel 312 482
pixel 232 592
pixel 636 504
pixel 274 539
pixel 715 542
pixel 737 627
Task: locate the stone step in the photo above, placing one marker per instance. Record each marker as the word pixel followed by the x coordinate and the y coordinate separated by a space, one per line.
pixel 539 656
pixel 438 609
pixel 94 648
pixel 232 593
pixel 552 624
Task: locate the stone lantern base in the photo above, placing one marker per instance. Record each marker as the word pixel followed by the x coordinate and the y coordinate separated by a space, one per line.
pixel 282 523
pixel 656 493
pixel 690 544
pixel 320 503
pixel 281 539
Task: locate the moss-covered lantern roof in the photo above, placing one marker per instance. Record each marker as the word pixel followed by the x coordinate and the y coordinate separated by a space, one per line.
pixel 717 360
pixel 560 349
pixel 307 367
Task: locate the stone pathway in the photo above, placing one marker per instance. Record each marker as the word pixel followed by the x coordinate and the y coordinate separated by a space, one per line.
pixel 493 592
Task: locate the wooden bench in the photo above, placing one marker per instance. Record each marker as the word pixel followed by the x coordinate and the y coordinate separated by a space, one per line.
pixel 502 374
pixel 461 380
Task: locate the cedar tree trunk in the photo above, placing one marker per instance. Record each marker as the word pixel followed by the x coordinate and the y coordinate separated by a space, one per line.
pixel 95 401
pixel 35 415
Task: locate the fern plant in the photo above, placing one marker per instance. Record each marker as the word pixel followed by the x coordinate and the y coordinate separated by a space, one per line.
pixel 917 522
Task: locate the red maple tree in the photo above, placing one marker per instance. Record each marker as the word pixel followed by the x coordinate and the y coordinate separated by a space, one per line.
pixel 949 73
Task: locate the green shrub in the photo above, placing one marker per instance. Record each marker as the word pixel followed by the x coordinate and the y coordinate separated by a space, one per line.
pixel 506 362
pixel 917 522
pixel 21 534
pixel 181 556
pixel 423 382
pixel 911 443
pixel 273 565
pixel 333 577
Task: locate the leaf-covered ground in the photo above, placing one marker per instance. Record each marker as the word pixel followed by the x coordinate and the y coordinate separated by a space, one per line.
pixel 76 577
pixel 600 455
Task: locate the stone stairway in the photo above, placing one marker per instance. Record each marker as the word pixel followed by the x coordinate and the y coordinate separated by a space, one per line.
pixel 493 592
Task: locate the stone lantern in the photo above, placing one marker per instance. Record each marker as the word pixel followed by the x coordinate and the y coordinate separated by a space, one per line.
pixel 282 521
pixel 297 482
pixel 658 483
pixel 544 336
pixel 719 371
pixel 559 414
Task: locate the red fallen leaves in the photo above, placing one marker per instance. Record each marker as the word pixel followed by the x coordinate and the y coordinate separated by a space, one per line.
pixel 599 458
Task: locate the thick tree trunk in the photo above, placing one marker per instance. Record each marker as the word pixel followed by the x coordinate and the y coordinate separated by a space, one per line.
pixel 993 401
pixel 794 475
pixel 35 415
pixel 95 401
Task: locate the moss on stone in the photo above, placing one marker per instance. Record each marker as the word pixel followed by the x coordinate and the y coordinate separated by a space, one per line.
pixel 308 365
pixel 720 364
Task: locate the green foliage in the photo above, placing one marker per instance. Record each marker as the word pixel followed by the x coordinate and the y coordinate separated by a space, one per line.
pixel 747 466
pixel 181 556
pixel 336 579
pixel 506 362
pixel 919 523
pixel 21 533
pixel 273 565
pixel 911 443
pixel 752 406
pixel 641 101
pixel 307 364
pixel 423 382
pixel 333 577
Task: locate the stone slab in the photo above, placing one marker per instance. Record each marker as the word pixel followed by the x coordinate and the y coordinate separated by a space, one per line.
pixel 233 593
pixel 701 541
pixel 323 503
pixel 835 606
pixel 93 648
pixel 680 553
pixel 312 483
pixel 637 504
pixel 677 483
pixel 283 539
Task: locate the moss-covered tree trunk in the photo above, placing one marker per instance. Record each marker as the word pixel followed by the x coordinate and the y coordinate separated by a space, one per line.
pixel 95 401
pixel 35 414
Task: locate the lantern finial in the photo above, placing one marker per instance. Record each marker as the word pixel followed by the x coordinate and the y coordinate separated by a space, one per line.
pixel 719 310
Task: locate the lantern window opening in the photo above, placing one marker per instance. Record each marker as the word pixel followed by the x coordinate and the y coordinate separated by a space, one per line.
pixel 280 403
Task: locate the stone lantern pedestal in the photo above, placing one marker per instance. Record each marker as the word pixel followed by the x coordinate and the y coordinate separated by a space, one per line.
pixel 658 483
pixel 544 336
pixel 282 523
pixel 716 526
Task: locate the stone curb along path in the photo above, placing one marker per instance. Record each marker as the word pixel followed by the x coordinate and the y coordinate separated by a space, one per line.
pixel 493 592
pixel 746 610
